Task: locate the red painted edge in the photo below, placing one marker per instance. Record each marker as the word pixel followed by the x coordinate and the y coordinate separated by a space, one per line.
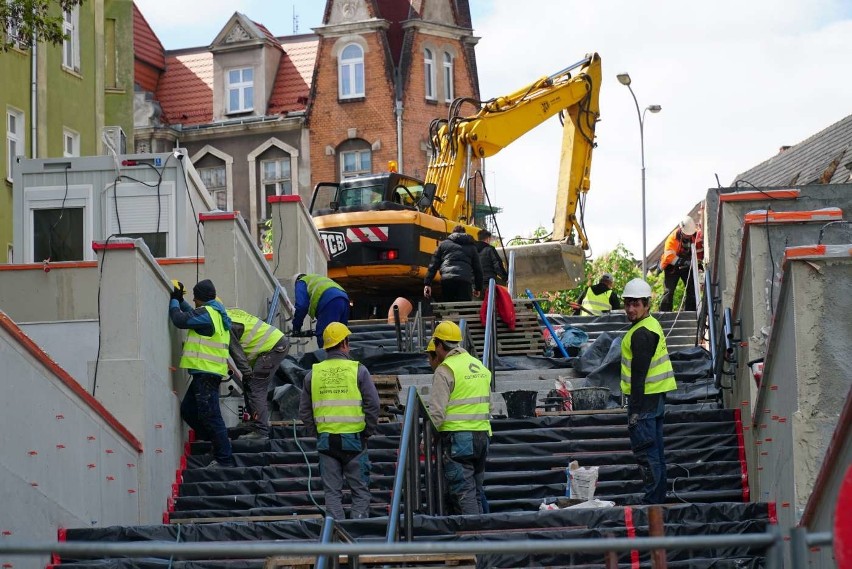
pixel 631 533
pixel 738 424
pixel 71 383
pixel 52 265
pixel 61 535
pixel 283 199
pixel 832 454
pixel 225 215
pixel 103 245
pixel 749 195
pixel 773 513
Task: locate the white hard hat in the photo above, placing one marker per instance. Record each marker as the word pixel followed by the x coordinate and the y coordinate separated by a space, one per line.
pixel 687 226
pixel 637 288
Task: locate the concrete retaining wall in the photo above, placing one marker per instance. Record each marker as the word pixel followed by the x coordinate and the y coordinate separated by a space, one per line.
pixel 807 376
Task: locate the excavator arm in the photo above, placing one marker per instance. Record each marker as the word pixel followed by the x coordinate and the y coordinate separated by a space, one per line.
pixel 499 122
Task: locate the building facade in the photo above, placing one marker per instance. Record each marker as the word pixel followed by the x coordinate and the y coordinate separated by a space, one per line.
pixel 63 100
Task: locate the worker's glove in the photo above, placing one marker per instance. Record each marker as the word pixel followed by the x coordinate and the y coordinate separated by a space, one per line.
pixel 178 290
pixel 633 420
pixel 679 263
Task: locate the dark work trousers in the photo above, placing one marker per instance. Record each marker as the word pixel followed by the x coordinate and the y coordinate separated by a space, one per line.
pixel 200 409
pixel 456 290
pixel 336 310
pixel 465 454
pixel 671 278
pixel 349 462
pixel 646 442
pixel 256 387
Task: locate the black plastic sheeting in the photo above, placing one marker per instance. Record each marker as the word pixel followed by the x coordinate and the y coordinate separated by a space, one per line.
pixel 679 520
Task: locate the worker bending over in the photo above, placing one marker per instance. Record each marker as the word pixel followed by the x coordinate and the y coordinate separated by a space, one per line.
pixel 646 376
pixel 205 355
pixel 599 299
pixel 676 263
pixel 257 349
pixel 340 405
pixel 321 298
pixel 460 408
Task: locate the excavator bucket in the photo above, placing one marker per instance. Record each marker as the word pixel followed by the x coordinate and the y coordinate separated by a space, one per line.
pixel 548 266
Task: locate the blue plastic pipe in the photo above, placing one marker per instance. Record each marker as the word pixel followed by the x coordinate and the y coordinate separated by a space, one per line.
pixel 547 323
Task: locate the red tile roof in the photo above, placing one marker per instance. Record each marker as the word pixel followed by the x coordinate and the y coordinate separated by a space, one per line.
pixel 146 44
pixel 267 33
pixel 293 81
pixel 186 89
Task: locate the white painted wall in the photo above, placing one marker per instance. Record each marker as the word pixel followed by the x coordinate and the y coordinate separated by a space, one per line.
pixel 72 356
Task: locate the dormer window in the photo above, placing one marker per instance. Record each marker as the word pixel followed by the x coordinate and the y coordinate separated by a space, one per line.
pixel 240 90
pixel 351 72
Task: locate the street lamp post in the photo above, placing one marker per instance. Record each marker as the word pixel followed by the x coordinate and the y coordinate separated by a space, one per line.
pixel 624 79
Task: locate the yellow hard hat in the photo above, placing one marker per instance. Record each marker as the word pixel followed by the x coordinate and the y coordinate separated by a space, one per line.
pixel 335 333
pixel 431 346
pixel 447 331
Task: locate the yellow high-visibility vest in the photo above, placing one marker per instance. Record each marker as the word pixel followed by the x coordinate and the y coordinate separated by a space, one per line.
pixel 207 353
pixel 597 304
pixel 317 285
pixel 337 401
pixel 258 336
pixel 469 406
pixel 660 376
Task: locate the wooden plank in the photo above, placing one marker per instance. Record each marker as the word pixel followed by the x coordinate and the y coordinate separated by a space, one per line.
pixel 245 519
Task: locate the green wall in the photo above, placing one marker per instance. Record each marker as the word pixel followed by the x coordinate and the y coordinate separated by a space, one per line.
pixel 83 101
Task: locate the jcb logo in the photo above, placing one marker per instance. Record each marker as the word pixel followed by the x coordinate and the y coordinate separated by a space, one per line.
pixel 335 243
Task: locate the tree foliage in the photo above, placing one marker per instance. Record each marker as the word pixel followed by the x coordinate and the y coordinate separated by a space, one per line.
pixel 25 21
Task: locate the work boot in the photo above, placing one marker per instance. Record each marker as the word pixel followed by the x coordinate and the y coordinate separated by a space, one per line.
pixel 215 464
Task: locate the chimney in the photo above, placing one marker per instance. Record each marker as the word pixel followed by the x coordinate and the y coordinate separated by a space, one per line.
pixel 784 149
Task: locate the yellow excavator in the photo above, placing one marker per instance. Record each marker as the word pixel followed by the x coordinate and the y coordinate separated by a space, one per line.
pixel 381 229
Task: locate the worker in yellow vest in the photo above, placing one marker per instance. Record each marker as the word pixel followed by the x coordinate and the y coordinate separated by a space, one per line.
pixel 599 298
pixel 321 298
pixel 257 349
pixel 646 376
pixel 205 355
pixel 340 405
pixel 460 408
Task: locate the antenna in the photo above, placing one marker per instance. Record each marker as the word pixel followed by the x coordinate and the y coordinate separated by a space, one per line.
pixel 295 21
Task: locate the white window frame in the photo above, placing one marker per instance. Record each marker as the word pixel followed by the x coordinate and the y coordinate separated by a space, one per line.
pixel 351 68
pixel 278 180
pixel 70 139
pixel 448 77
pixel 16 140
pixel 246 104
pixel 429 75
pixel 71 43
pixel 133 197
pixel 55 197
pixel 360 171
pixel 215 190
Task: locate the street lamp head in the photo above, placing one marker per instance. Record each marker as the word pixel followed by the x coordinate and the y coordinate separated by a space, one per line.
pixel 655 108
pixel 624 78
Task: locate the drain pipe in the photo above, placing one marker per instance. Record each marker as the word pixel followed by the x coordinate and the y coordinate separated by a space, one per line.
pixel 34 99
pixel 398 108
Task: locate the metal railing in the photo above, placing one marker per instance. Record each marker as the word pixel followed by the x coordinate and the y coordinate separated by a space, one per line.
pixel 407 494
pixel 772 542
pixel 489 347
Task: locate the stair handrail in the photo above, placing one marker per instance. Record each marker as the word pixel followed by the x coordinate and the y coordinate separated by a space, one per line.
pixel 489 350
pixel 326 536
pixel 406 484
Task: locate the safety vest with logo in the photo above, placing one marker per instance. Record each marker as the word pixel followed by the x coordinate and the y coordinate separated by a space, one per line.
pixel 337 401
pixel 207 353
pixel 317 285
pixel 597 304
pixel 470 402
pixel 258 336
pixel 660 376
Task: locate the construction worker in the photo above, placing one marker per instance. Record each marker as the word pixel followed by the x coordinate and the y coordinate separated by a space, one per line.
pixel 340 405
pixel 599 298
pixel 460 409
pixel 257 349
pixel 646 376
pixel 205 355
pixel 489 258
pixel 461 272
pixel 676 263
pixel 321 298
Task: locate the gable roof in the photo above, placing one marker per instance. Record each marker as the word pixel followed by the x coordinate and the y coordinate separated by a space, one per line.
pixel 146 45
pixel 824 158
pixel 292 85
